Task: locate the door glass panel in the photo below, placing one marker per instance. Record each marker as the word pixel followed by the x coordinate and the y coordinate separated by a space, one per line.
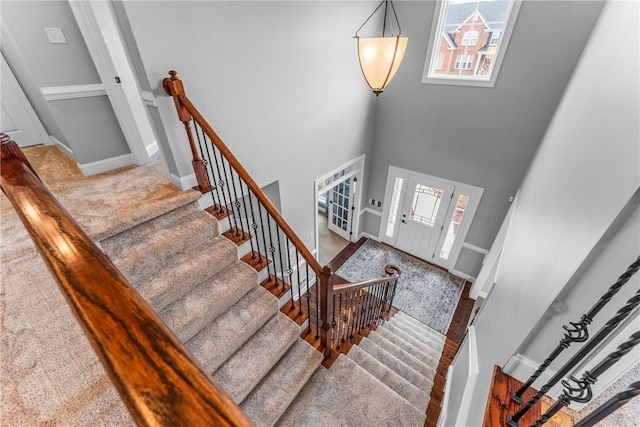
pixel 393 210
pixel 425 205
pixel 454 224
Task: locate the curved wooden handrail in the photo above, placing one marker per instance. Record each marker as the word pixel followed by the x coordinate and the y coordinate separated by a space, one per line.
pixel 173 86
pixel 156 376
pixel 393 272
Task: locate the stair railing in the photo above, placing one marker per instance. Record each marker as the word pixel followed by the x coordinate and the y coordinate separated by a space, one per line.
pixel 579 390
pixel 155 375
pixel 274 245
pixel 363 305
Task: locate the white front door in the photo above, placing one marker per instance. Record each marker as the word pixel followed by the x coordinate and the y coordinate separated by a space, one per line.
pixel 422 216
pixel 340 209
pixel 18 119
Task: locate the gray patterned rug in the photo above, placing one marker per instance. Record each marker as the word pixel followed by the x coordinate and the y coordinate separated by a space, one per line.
pixel 423 291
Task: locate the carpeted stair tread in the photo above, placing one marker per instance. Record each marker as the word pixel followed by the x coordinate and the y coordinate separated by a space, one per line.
pixel 390 378
pixel 132 254
pixel 168 283
pixel 144 193
pixel 247 366
pixel 415 323
pixel 189 314
pixel 273 395
pixel 125 239
pixel 405 371
pixel 403 355
pixel 213 345
pixel 347 395
pixel 431 358
pixel 418 328
pixel 427 347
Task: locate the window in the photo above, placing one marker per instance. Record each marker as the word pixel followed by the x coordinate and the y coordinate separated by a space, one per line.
pixel 463 62
pixel 470 38
pixel 454 224
pixel 425 205
pixel 395 202
pixel 464 30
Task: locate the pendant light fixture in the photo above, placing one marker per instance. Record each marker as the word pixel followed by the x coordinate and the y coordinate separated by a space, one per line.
pixel 380 57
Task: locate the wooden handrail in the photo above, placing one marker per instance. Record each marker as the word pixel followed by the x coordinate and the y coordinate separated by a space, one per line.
pixel 184 105
pixel 393 272
pixel 156 376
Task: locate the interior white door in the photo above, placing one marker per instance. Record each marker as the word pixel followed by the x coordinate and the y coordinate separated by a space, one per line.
pixel 340 209
pixel 18 119
pixel 422 216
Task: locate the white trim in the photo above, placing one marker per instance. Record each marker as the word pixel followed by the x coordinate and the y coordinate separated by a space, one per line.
pixel 371 211
pixel 57 93
pixel 475 248
pixel 152 148
pixel 482 295
pixel 442 419
pixel 462 418
pixel 184 182
pixel 148 99
pixel 368 236
pixel 521 368
pixel 100 166
pixel 64 147
pixel 462 275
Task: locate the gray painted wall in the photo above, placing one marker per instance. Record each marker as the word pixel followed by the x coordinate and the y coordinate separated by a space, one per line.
pixel 485 137
pixel 582 180
pixel 279 81
pixel 88 126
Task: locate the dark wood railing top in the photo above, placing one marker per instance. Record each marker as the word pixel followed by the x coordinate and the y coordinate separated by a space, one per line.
pixel 157 378
pixel 393 273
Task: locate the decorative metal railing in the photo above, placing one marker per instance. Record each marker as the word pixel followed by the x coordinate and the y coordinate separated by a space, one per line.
pixel 578 333
pixel 356 307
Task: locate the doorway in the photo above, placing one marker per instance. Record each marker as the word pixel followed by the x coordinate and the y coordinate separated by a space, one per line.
pixel 337 194
pixel 427 216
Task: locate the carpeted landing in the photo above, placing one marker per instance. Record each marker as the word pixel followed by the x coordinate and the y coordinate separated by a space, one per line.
pixel 174 255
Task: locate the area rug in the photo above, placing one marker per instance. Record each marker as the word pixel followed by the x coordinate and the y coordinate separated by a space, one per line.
pixel 423 291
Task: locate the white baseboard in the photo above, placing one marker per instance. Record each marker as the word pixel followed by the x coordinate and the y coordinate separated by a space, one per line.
pixel 184 182
pixel 521 368
pixel 64 147
pixel 371 211
pixel 462 275
pixel 368 236
pixel 152 148
pixel 106 164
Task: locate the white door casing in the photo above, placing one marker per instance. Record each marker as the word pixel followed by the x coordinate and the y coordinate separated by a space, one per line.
pixel 340 206
pixel 18 119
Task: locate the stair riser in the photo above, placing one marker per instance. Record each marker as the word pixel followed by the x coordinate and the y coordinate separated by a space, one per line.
pixel 429 347
pixel 402 355
pixel 431 335
pixel 430 358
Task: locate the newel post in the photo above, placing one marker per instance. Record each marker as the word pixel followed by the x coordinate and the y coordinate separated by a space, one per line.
pixel 326 311
pixel 173 87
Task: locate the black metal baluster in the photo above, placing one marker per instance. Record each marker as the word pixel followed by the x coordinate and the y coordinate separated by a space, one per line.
pixel 254 227
pixel 236 203
pixel 334 334
pixel 578 331
pixel 221 183
pixel 290 271
pixel 272 250
pixel 282 272
pixel 361 310
pixel 610 406
pixel 622 314
pixel 246 214
pixel 353 313
pixel 317 284
pixel 340 323
pixel 580 391
pixel 307 293
pixel 264 238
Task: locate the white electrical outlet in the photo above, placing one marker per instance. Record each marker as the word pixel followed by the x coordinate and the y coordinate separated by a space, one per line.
pixel 55 35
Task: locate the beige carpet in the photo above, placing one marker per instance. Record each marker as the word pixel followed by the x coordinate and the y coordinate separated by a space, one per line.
pixel 49 374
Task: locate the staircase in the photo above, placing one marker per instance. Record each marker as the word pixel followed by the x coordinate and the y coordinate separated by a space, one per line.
pixel 173 253
pixel 193 277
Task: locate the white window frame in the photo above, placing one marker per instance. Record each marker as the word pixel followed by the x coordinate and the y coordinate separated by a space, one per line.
pixel 465 80
pixel 470 38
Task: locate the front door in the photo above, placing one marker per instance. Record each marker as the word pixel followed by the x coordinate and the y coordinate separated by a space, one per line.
pixel 340 209
pixel 422 217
